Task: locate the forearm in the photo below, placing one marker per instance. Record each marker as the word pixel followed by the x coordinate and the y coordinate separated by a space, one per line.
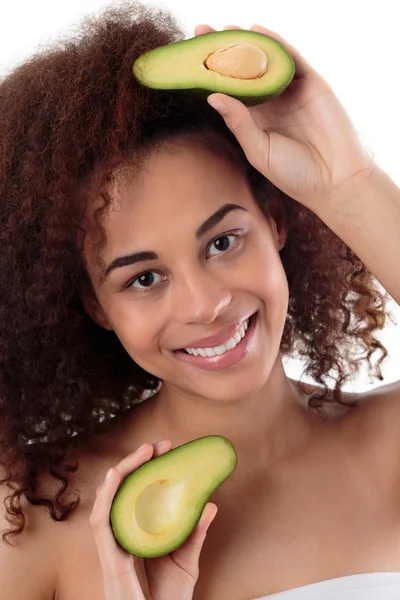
pixel 365 214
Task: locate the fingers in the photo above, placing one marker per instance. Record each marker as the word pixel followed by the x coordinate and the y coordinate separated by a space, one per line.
pixel 142 455
pixel 118 572
pixel 100 516
pixel 303 68
pixel 201 29
pixel 117 565
pixel 232 27
pixel 161 448
pixel 134 460
pixel 208 515
pixel 254 141
pixel 187 556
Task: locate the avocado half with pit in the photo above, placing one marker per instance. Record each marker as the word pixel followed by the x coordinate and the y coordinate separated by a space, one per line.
pixel 247 65
pixel 157 506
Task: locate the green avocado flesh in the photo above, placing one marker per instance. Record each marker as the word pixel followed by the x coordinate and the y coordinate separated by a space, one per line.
pixel 157 506
pixel 180 66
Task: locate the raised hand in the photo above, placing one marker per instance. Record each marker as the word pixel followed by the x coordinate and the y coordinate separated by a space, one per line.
pixel 303 141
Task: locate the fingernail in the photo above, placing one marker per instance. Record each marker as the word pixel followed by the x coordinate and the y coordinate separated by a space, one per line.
pixel 109 472
pixel 218 105
pixel 140 447
pixel 159 443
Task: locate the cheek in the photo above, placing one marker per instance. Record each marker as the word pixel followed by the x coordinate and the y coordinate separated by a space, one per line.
pixel 278 296
pixel 136 332
pixel 266 276
pixel 272 290
pixel 276 282
pixel 139 338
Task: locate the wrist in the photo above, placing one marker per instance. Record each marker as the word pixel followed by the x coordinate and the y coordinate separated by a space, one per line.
pixel 347 198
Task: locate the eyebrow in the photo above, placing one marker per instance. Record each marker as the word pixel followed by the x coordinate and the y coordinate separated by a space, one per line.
pixel 130 259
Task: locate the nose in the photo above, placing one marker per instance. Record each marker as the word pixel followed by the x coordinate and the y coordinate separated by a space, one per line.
pixel 199 297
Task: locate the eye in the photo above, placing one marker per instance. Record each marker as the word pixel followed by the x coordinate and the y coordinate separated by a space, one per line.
pixel 145 280
pixel 222 244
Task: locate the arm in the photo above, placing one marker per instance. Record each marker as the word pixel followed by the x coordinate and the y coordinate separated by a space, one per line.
pixel 365 214
pixel 305 144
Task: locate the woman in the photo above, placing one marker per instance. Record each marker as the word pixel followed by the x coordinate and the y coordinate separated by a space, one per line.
pixel 139 225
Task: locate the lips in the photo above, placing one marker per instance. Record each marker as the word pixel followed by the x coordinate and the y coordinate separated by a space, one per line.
pixel 218 339
pixel 227 360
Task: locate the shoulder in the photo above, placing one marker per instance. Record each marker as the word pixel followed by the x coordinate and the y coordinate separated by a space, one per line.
pixel 372 430
pixel 42 552
pixel 26 566
pixel 379 409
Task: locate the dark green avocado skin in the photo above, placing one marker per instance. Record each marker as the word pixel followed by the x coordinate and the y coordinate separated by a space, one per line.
pixel 177 85
pixel 193 509
pixel 247 100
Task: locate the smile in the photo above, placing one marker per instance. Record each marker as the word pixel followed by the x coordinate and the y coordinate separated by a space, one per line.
pixel 226 355
pixel 219 350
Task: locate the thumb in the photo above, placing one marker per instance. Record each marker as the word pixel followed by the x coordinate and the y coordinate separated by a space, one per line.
pixel 187 555
pixel 254 141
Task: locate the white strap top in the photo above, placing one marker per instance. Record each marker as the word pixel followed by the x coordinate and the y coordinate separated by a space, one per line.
pixel 366 586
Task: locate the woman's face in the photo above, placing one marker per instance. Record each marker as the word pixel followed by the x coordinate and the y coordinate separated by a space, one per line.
pixel 189 256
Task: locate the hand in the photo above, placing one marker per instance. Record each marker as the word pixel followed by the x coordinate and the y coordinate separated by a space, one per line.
pixel 129 578
pixel 303 140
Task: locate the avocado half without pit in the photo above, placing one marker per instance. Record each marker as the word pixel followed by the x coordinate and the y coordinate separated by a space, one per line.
pixel 157 506
pixel 247 65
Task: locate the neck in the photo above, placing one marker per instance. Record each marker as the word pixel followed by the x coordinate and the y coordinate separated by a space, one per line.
pixel 270 424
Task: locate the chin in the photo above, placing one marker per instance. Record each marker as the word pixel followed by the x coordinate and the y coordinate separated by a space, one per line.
pixel 221 389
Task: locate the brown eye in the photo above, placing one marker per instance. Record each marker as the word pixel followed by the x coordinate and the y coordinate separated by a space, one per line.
pixel 223 243
pixel 145 280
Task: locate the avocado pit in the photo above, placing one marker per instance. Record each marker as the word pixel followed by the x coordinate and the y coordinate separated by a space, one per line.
pixel 247 65
pixel 240 61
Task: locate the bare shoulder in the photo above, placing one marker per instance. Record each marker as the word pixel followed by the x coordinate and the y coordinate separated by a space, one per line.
pixel 48 552
pixel 26 566
pixel 367 426
pixel 373 427
pixel 379 408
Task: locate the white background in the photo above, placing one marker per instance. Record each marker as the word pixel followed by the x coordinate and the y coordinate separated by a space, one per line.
pixel 354 45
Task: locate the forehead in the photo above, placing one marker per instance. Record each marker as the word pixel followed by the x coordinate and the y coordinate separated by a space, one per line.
pixel 168 197
pixel 181 180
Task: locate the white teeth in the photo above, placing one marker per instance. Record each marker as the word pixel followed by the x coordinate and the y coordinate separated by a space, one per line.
pixel 219 350
pixel 237 337
pixel 230 344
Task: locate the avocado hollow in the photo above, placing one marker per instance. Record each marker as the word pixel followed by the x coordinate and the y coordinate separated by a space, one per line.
pixel 157 506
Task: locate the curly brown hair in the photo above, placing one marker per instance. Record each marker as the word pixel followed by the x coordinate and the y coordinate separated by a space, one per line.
pixel 69 116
